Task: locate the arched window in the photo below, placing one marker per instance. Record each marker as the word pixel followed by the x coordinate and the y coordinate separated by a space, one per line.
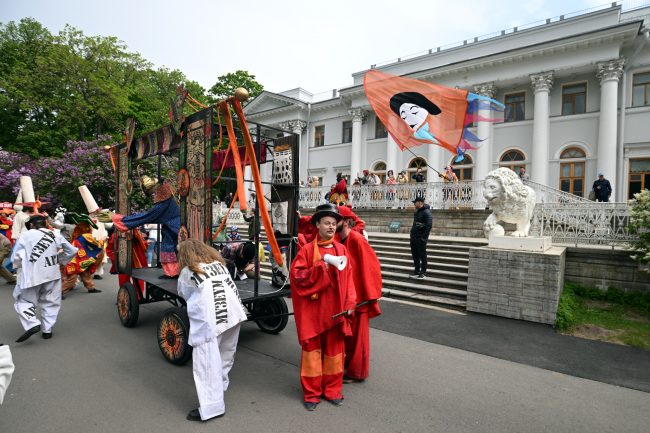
pixel 511 159
pixel 463 169
pixel 380 169
pixel 416 163
pixel 572 171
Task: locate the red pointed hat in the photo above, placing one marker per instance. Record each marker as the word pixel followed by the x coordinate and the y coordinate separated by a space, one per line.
pixel 346 212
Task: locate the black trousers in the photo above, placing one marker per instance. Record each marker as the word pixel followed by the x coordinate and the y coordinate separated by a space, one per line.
pixel 419 253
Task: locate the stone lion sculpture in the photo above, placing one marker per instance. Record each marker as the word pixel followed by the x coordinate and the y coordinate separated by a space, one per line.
pixel 510 200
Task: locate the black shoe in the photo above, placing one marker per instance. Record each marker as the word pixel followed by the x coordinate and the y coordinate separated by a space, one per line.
pixel 337 401
pixel 94 291
pixel 195 415
pixel 29 333
pixel 348 379
pixel 47 335
pixel 167 277
pixel 62 297
pixel 415 275
pixel 12 283
pixel 97 277
pixel 419 277
pixel 309 405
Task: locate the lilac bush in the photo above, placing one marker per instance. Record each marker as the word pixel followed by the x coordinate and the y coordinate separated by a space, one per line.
pixel 56 180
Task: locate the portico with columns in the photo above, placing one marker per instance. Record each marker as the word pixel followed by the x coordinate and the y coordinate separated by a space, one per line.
pixel 601 52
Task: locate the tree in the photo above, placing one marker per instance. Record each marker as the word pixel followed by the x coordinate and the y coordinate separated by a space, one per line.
pixel 226 85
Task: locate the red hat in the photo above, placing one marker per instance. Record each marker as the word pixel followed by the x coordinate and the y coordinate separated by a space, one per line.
pixel 366 172
pixel 346 213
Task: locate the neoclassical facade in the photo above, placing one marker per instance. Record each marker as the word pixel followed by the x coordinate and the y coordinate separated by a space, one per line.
pixel 577 96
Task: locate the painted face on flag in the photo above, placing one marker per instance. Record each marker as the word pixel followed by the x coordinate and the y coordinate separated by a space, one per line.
pixel 416 112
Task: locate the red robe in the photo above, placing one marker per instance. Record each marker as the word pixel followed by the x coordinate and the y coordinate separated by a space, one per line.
pixel 334 290
pixel 318 293
pixel 366 271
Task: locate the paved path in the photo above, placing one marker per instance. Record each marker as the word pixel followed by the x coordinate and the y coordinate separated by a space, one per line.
pixel 97 376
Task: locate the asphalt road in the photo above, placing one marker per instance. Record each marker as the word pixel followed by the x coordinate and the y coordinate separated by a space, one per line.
pixel 96 376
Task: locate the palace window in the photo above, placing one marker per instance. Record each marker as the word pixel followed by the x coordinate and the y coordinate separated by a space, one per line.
pixel 319 136
pixel 641 89
pixel 512 159
pixel 347 132
pixel 414 165
pixel 380 129
pixel 515 107
pixel 574 99
pixel 464 169
pixel 639 177
pixel 572 171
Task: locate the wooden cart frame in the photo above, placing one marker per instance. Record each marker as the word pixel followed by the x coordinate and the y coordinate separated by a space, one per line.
pixel 194 143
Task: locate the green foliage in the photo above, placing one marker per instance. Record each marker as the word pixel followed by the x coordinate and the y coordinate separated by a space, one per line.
pixel 640 226
pixel 55 88
pixel 567 305
pixel 226 85
pixel 625 314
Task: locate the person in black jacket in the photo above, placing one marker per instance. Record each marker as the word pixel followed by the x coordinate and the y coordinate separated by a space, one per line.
pixel 602 188
pixel 422 221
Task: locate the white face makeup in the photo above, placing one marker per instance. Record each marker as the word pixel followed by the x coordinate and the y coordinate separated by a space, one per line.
pixel 413 115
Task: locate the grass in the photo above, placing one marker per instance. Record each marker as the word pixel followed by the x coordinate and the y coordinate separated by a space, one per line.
pixel 613 315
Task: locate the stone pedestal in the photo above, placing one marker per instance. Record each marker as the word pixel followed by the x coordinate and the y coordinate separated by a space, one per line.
pixel 522 285
pixel 530 243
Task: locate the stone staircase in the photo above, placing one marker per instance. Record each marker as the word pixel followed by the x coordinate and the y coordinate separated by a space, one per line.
pixel 445 283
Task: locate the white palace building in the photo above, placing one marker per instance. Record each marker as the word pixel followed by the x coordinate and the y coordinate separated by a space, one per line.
pixel 577 96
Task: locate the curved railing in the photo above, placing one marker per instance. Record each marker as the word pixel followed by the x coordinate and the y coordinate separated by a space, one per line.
pixel 584 223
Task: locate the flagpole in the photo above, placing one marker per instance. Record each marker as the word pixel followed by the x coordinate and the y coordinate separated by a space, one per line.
pixel 439 174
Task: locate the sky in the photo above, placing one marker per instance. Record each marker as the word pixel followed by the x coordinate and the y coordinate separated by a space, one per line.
pixel 313 44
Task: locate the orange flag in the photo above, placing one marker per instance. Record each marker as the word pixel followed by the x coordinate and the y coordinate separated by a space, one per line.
pixel 415 112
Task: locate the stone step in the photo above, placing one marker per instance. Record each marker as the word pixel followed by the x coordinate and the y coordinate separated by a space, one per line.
pixel 419 298
pixel 392 250
pixel 433 265
pixel 426 281
pixel 431 245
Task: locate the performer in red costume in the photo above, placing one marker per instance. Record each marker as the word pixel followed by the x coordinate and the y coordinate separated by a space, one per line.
pixel 138 259
pixel 307 231
pixel 320 291
pixel 366 272
pixel 340 193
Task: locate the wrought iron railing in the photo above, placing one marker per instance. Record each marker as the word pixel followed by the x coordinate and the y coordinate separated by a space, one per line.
pixel 439 195
pixel 584 223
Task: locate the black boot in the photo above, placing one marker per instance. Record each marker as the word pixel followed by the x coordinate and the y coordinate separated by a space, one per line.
pixel 29 333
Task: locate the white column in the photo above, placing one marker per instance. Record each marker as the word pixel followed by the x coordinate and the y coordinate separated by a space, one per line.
pixel 433 159
pixel 392 156
pixel 483 161
pixel 358 116
pixel 541 84
pixel 608 73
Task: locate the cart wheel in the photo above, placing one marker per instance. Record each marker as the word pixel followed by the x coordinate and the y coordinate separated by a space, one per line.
pixel 173 333
pixel 128 306
pixel 270 307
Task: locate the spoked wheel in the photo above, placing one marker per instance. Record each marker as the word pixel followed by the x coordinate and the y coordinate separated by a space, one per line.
pixel 173 334
pixel 128 307
pixel 274 312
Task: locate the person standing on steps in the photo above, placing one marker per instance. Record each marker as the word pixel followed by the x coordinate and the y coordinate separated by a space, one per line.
pixel 422 221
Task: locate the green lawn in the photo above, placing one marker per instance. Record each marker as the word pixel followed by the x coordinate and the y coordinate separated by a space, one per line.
pixel 613 316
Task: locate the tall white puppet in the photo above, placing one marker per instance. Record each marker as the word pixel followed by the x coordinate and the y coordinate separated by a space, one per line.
pixel 100 234
pixel 37 256
pixel 24 206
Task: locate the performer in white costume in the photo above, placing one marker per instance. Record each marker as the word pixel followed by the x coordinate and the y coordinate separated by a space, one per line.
pixel 215 312
pixel 37 255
